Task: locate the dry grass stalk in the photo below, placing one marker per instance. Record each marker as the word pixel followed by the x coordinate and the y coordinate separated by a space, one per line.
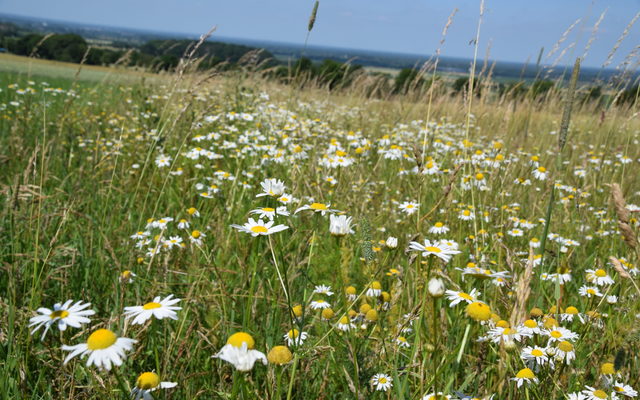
pixel 620 39
pixel 617 265
pixel 522 290
pixel 564 37
pixel 594 32
pixel 623 216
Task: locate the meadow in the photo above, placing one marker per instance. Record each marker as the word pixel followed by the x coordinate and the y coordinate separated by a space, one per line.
pixel 322 244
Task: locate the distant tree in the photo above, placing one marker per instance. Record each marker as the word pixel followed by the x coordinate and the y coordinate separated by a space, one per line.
pixel 462 85
pixel 513 90
pixel 406 79
pixel 67 47
pixel 629 95
pixel 336 75
pixel 539 88
pixel 25 45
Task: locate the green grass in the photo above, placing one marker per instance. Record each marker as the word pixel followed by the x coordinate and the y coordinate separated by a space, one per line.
pixel 79 178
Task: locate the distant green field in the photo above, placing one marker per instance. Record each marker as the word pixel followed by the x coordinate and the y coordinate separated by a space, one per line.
pixel 26 67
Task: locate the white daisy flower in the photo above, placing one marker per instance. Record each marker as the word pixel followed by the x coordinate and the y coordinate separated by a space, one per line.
pixel 391 242
pixel 269 212
pixel 323 289
pixel 319 305
pixel 534 356
pixel 589 291
pixel 240 352
pixel 559 334
pixel 103 347
pixel 317 207
pixel 525 376
pixel 295 338
pixel 409 207
pixel 441 249
pixel 344 324
pixel 340 225
pixel 457 297
pixel 624 389
pixel 260 227
pixel 565 352
pixel 157 308
pixel 381 382
pixel 272 187
pixel 597 394
pixel 63 315
pixel 438 228
pixel 599 277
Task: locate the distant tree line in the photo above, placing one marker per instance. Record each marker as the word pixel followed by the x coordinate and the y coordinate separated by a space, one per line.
pixel 160 55
pixel 154 54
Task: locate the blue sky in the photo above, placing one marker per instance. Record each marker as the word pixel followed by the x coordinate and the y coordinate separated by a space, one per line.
pixel 512 30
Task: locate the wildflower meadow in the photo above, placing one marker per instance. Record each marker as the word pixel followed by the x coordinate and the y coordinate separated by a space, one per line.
pixel 193 236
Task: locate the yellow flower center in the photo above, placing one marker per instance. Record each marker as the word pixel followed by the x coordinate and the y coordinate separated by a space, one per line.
pixel 591 291
pixel 376 285
pixel 542 169
pixel 410 206
pixel 382 380
pixel 438 224
pixel 238 338
pixel 600 273
pixel 601 394
pixel 465 296
pixel 525 373
pixel 195 234
pixel 571 310
pixel 556 334
pixel 268 209
pixel 432 249
pixel 259 229
pixel 59 314
pixel 318 206
pixel 565 346
pixel 293 334
pixel 344 320
pixel 148 380
pixel 151 305
pixel 537 353
pixel 530 323
pixel 101 339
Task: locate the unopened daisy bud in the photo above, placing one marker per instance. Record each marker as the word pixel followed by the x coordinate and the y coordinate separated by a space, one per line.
pixel 509 344
pixel 436 287
pixel 280 355
pixel 392 242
